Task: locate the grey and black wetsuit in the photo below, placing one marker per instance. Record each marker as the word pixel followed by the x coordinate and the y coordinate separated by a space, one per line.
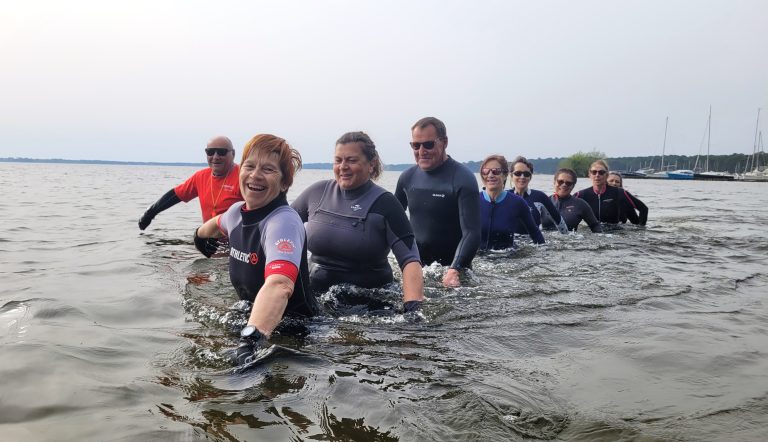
pixel 500 219
pixel 539 204
pixel 443 205
pixel 263 240
pixel 350 234
pixel 573 210
pixel 610 205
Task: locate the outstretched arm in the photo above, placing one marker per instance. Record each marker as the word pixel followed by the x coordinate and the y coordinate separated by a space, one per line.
pixel 270 303
pixel 168 200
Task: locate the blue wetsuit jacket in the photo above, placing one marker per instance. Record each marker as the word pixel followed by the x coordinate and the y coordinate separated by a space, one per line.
pixel 500 219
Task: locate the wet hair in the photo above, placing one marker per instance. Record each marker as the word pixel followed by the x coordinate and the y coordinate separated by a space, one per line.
pixel 621 178
pixel 263 145
pixel 432 121
pixel 500 159
pixel 600 162
pixel 521 159
pixel 368 149
pixel 566 171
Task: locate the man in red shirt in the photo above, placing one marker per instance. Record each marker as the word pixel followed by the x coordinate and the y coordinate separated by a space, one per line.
pixel 217 187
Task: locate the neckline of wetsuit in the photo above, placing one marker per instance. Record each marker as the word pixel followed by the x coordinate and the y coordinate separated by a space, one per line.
pixel 500 198
pixel 357 192
pixel 256 215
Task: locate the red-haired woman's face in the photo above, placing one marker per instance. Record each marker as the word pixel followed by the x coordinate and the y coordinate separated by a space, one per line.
pixel 261 180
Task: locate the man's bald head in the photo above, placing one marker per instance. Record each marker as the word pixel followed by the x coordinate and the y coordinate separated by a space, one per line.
pixel 220 154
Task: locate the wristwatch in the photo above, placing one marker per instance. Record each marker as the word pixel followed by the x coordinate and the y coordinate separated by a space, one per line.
pixel 250 331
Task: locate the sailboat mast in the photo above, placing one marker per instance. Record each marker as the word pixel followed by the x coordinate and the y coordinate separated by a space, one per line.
pixel 754 150
pixel 664 146
pixel 709 133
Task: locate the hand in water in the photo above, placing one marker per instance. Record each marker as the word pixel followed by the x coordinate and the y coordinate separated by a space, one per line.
pixel 247 349
pixel 206 246
pixel 146 219
pixel 451 279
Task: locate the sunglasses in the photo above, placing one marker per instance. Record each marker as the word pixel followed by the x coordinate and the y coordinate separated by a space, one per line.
pixel 222 151
pixel 600 172
pixel 493 171
pixel 522 173
pixel 429 145
pixel 565 183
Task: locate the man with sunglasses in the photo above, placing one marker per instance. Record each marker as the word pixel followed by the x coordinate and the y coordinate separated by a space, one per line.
pixel 442 198
pixel 217 186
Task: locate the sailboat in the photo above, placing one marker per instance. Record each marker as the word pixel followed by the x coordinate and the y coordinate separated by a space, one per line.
pixel 708 174
pixel 756 174
pixel 661 173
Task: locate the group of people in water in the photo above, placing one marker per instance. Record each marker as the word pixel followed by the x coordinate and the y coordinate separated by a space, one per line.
pixel 349 224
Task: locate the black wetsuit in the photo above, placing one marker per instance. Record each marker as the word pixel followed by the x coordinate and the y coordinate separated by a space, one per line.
pixel 573 210
pixel 500 219
pixel 443 205
pixel 263 236
pixel 540 204
pixel 350 234
pixel 639 206
pixel 609 206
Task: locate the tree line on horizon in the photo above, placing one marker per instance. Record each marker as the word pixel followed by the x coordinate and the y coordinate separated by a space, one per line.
pixel 579 161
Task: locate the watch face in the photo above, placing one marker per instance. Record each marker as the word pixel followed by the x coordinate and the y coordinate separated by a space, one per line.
pixel 247 331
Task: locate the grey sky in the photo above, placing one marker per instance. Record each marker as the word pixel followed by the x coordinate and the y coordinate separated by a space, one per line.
pixel 154 80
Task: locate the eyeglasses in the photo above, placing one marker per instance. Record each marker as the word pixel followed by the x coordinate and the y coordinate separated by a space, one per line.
pixel 493 171
pixel 600 172
pixel 565 183
pixel 429 145
pixel 522 173
pixel 222 151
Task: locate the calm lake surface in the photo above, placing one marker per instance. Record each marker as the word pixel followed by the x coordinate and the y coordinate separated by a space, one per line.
pixel 111 334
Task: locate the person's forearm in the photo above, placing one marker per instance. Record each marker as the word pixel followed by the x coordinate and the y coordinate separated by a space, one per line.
pixel 270 303
pixel 413 282
pixel 210 229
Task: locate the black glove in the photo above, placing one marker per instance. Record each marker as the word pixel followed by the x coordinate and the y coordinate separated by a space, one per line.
pixel 412 306
pixel 206 246
pixel 146 219
pixel 247 348
pixel 166 201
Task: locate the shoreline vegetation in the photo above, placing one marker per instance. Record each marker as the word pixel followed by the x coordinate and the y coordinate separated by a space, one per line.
pixel 726 163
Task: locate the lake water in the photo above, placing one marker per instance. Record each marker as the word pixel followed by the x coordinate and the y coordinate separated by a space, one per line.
pixel 649 334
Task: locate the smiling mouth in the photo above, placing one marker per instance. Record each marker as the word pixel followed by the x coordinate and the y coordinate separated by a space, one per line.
pixel 256 187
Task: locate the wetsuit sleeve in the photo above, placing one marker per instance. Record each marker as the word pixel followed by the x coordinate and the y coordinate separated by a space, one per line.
pixel 301 204
pixel 589 217
pixel 230 219
pixel 629 208
pixel 530 225
pixel 642 208
pixel 555 215
pixel 283 239
pixel 168 200
pixel 400 191
pixel 469 220
pixel 399 233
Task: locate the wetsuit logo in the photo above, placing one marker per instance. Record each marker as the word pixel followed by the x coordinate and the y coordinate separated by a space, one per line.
pixel 356 207
pixel 248 258
pixel 285 246
pixel 439 195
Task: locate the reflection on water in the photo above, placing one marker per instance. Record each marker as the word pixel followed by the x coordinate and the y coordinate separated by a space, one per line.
pixel 638 334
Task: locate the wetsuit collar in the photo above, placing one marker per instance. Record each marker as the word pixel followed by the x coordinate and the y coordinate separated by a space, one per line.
pixel 526 193
pixel 499 199
pixel 357 192
pixel 438 168
pixel 600 191
pixel 256 215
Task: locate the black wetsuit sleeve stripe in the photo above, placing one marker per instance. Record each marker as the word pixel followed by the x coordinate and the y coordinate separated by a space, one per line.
pixel 553 212
pixel 589 217
pixel 641 207
pixel 629 209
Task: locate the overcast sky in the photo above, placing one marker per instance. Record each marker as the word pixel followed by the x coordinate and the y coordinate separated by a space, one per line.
pixel 154 80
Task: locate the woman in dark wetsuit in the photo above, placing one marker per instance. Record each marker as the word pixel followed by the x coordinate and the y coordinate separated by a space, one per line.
pixel 268 252
pixel 352 224
pixel 572 209
pixel 521 171
pixel 501 211
pixel 616 180
pixel 609 204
